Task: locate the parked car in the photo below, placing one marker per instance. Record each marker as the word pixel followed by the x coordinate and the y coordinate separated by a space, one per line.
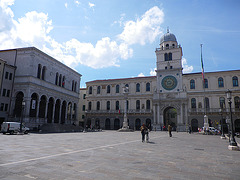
pixel 13 127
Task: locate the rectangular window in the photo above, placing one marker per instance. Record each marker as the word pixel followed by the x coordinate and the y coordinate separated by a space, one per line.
pixel 83 107
pixel 6 107
pixel 10 76
pixel 8 93
pixel 4 92
pixel 84 96
pixel 6 75
pixel 2 105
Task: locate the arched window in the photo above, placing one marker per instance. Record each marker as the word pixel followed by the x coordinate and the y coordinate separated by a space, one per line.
pixel 167 46
pixel 192 84
pixel 89 106
pixel 126 85
pixel 98 105
pixel 98 89
pixel 63 81
pixel 117 105
pixel 43 72
pixel 193 103
pixel 56 79
pixel 237 102
pixel 108 89
pixel 166 57
pixel 222 102
pixel 90 90
pixel 205 83
pixel 148 102
pixel 173 45
pixel 235 81
pixel 207 106
pixel 138 104
pixel 220 82
pixel 75 87
pixel 108 105
pixel 137 87
pixel 39 71
pixel 117 88
pixel 148 86
pixel 60 80
pixel 169 56
pixel 72 85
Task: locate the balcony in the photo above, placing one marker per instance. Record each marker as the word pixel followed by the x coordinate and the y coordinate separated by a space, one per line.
pixel 212 110
pixel 129 111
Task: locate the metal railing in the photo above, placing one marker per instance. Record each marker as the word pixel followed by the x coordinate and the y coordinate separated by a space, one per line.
pixel 213 110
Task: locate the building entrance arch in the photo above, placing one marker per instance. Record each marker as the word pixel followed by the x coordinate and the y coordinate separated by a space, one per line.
pixel 194 125
pixel 170 117
pixel 237 125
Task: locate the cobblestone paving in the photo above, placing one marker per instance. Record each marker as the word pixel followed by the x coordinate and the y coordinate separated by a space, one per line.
pixel 116 155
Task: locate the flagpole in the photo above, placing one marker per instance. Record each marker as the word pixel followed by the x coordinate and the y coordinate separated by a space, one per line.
pixel 206 124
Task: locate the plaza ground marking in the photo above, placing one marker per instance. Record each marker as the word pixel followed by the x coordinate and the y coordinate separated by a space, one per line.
pixel 72 152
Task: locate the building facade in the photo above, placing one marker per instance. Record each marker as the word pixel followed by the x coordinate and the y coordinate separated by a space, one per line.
pixel 49 88
pixel 82 106
pixel 7 73
pixel 170 97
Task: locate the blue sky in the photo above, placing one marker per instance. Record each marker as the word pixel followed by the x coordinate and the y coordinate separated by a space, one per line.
pixel 107 39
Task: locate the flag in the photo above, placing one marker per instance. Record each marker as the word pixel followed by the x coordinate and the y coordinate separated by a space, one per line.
pixel 202 65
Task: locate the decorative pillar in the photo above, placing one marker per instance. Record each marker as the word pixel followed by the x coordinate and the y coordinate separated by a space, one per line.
pixel 53 112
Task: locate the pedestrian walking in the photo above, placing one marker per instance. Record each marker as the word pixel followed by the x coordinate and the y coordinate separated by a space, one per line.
pixel 143 129
pixel 170 130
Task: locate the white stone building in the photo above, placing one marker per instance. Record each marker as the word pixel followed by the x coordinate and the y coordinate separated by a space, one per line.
pixel 49 88
pixel 170 97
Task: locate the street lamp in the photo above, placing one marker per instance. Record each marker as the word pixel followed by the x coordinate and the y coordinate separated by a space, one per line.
pixel 221 113
pixel 23 105
pixel 233 144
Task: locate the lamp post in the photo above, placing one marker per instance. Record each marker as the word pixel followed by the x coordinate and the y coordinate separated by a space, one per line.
pixel 233 144
pixel 21 122
pixel 221 113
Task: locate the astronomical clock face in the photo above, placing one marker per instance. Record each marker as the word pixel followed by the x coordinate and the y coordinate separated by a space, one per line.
pixel 169 82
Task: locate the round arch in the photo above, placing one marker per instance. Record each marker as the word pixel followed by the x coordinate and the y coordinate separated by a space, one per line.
pixel 107 124
pixel 18 104
pixel 137 124
pixel 194 125
pixel 237 125
pixel 170 117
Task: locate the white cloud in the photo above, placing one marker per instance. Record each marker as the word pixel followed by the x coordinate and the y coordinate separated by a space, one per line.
pixel 144 29
pixel 77 2
pixel 186 68
pixel 141 75
pixel 33 29
pixel 91 5
pixel 153 72
pixel 66 5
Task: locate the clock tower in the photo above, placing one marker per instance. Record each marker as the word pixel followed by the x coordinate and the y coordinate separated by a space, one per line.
pixel 169 99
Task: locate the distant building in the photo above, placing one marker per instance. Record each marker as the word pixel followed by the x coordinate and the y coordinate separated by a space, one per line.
pixel 82 106
pixel 49 88
pixel 6 86
pixel 170 97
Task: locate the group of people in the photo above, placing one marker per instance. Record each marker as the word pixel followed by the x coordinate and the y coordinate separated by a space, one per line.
pixel 145 132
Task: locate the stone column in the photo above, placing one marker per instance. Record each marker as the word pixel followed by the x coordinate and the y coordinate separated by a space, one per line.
pixel 53 111
pixel 13 99
pixel 154 114
pixel 26 108
pixel 60 113
pixel 158 114
pixel 45 114
pixel 37 107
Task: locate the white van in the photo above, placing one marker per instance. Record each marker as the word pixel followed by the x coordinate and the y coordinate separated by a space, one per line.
pixel 13 127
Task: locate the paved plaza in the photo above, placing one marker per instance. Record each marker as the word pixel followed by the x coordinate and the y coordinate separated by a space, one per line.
pixel 116 155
